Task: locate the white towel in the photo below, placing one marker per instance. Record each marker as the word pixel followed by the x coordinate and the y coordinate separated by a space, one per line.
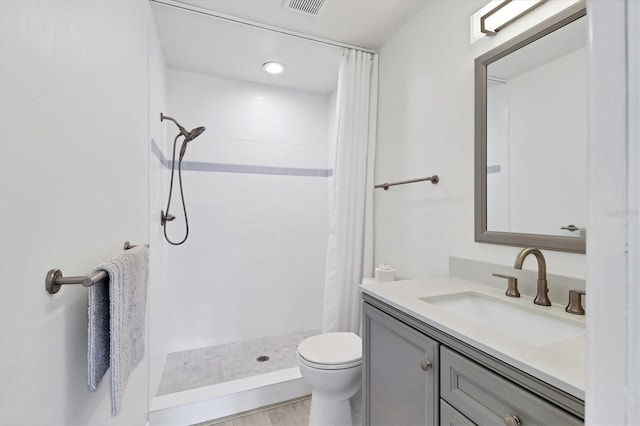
pixel 116 321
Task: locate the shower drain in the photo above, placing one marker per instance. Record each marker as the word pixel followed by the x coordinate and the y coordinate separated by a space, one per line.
pixel 262 358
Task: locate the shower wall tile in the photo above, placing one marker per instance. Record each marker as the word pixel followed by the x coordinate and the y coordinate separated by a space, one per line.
pixel 253 265
pixel 251 123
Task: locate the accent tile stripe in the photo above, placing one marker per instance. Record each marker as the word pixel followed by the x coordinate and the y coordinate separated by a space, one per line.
pixel 158 153
pixel 493 169
pixel 199 166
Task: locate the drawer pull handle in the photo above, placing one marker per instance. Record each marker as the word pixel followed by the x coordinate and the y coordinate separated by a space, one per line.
pixel 511 421
pixel 425 365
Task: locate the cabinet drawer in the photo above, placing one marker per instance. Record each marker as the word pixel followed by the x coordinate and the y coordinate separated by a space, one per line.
pixel 449 416
pixel 486 398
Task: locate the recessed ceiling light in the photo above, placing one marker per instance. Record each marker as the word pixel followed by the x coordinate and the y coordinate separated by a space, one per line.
pixel 273 67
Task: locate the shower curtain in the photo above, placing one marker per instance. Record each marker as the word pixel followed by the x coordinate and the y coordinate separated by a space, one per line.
pixel 350 244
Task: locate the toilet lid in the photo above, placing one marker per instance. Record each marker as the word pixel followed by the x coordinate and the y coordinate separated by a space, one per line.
pixel 331 348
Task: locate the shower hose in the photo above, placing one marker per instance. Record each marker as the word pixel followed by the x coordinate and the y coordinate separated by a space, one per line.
pixel 184 207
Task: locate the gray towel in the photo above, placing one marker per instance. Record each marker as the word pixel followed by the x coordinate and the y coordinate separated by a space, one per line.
pixel 116 321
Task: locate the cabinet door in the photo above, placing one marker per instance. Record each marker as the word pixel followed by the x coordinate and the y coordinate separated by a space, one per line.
pixel 400 374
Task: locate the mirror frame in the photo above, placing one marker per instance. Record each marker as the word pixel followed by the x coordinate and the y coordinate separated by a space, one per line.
pixel 482 235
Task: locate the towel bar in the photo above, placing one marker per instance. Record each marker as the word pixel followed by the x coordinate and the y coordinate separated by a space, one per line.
pixel 433 179
pixel 127 245
pixel 54 279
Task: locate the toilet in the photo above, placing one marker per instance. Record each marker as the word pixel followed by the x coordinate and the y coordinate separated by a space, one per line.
pixel 331 364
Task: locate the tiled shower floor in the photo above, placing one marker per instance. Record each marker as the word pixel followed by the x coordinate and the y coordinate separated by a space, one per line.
pixel 217 364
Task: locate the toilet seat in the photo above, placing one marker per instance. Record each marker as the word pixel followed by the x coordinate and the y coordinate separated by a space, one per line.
pixel 331 351
pixel 319 366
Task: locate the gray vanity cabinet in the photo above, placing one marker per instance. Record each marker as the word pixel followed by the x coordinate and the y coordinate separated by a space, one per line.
pixel 414 374
pixel 400 371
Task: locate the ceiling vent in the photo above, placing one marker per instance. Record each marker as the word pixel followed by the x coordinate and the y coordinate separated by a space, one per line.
pixel 308 7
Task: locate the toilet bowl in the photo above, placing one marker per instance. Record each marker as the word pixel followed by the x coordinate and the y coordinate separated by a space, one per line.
pixel 331 365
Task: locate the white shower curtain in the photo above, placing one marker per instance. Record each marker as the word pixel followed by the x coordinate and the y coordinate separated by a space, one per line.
pixel 350 245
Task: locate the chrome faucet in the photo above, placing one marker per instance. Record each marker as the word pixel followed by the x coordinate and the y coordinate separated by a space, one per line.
pixel 541 298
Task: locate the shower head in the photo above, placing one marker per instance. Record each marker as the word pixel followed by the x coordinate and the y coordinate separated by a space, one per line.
pixel 188 136
pixel 194 133
pixel 191 136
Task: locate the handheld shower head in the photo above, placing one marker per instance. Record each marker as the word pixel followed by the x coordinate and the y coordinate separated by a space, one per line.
pixel 191 136
pixel 195 133
pixel 188 136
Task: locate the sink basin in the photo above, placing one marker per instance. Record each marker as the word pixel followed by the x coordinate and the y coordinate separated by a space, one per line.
pixel 530 325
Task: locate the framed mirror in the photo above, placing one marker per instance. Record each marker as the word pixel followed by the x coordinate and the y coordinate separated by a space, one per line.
pixel 531 137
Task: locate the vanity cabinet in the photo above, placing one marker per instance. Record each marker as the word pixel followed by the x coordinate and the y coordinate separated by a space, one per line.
pixel 415 374
pixel 401 371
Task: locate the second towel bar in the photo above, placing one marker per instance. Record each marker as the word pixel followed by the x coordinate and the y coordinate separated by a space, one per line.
pixel 55 280
pixel 433 179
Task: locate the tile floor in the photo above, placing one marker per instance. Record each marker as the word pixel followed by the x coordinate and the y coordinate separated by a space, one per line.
pixel 294 413
pixel 217 364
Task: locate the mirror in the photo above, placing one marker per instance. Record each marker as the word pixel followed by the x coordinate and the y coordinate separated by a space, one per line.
pixel 531 137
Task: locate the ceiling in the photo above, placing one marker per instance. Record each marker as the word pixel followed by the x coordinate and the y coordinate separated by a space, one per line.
pixel 193 40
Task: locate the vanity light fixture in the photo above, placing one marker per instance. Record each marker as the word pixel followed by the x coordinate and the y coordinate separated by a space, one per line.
pixel 503 12
pixel 273 67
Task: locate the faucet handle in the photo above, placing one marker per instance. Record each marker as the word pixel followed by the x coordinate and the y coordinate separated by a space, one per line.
pixel 575 302
pixel 512 284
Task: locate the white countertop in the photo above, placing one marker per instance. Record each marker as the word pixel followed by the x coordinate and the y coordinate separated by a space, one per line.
pixel 560 364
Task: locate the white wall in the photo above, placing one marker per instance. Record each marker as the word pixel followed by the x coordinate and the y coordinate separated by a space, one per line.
pixel 158 291
pixel 254 262
pixel 73 182
pixel 425 127
pixel 613 243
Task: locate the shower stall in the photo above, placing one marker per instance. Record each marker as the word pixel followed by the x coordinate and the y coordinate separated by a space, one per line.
pixel 248 285
pixel 253 267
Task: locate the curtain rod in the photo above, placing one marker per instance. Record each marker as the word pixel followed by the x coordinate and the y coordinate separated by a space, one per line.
pixel 207 12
